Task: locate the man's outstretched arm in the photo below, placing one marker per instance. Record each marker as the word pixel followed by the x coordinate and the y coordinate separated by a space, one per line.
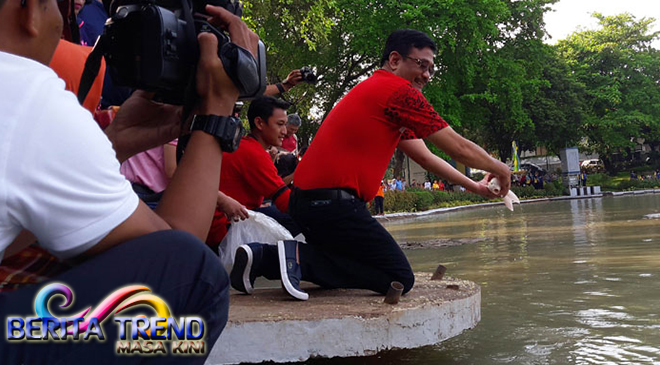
pixel 470 154
pixel 417 150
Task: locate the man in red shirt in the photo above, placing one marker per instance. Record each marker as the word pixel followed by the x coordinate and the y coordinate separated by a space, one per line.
pixel 248 175
pixel 346 247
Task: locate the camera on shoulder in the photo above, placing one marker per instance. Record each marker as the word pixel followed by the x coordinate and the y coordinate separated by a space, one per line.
pixel 152 45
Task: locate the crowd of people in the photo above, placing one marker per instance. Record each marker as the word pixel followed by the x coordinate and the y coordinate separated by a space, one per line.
pixel 102 203
pixel 653 176
pixel 400 184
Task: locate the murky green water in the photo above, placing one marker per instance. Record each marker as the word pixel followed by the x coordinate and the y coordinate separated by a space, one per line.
pixel 569 282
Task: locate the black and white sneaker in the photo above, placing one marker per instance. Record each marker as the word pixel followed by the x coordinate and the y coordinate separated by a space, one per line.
pixel 243 274
pixel 290 269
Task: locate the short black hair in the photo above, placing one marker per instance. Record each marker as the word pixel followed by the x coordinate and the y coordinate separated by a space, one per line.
pixel 403 40
pixel 263 107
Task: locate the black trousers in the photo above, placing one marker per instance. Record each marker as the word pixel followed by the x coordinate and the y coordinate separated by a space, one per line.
pixel 282 218
pixel 378 203
pixel 347 247
pixel 175 265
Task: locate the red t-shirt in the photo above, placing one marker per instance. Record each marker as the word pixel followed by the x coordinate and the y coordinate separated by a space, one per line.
pixel 290 143
pixel 249 176
pixel 356 141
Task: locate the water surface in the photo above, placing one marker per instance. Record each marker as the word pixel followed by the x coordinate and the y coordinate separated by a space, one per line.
pixel 567 282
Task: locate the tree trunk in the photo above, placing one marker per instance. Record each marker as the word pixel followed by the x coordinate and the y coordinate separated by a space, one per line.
pixel 399 157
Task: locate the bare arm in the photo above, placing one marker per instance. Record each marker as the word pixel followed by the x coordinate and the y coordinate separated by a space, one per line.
pixel 169 155
pixel 468 153
pixel 289 178
pixel 190 199
pixel 191 196
pixel 231 207
pixel 417 150
pixel 291 80
pixel 23 240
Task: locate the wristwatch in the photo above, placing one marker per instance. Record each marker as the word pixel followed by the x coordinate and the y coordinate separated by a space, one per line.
pixel 228 130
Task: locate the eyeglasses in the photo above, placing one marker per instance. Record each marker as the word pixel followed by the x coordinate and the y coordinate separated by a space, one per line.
pixel 423 64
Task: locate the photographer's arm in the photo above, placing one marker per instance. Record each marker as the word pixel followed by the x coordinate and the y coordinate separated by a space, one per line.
pixel 291 80
pixel 142 124
pixel 190 199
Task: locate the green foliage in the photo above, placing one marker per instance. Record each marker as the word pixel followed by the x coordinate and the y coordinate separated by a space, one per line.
pixel 417 200
pixel 487 55
pixel 622 181
pixel 620 71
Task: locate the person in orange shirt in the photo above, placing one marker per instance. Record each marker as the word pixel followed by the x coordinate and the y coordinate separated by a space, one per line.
pixel 68 62
pixel 379 199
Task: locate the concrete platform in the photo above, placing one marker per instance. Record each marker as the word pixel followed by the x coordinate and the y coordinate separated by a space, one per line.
pixel 268 326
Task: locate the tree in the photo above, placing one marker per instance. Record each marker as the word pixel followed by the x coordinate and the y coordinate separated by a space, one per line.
pixel 558 110
pixel 621 74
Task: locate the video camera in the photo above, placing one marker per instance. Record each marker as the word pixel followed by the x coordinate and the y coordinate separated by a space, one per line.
pixel 152 45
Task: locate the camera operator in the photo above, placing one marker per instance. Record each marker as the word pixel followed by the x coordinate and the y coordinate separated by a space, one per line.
pixel 293 79
pixel 60 183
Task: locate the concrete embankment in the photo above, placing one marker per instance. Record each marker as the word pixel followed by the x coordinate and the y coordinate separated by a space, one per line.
pixel 401 215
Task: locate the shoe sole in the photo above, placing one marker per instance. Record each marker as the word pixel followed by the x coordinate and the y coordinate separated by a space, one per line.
pixel 288 287
pixel 248 266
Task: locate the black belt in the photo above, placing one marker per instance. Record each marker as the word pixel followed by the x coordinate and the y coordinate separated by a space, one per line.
pixel 324 194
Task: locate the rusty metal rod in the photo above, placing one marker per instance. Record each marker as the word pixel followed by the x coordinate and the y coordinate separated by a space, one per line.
pixel 394 293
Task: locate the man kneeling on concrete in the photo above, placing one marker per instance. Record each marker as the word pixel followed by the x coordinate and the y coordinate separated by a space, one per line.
pixel 341 171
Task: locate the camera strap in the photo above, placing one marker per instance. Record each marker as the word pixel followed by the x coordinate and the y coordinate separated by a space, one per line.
pixel 190 95
pixel 92 67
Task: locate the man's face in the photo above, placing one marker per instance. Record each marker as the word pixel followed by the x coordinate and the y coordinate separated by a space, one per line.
pixel 274 130
pixel 411 70
pixel 291 130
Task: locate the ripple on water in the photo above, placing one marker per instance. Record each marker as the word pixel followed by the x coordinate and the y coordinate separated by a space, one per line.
pixel 600 294
pixel 603 318
pixel 613 350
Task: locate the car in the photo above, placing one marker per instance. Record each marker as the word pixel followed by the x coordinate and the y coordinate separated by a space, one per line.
pixel 593 165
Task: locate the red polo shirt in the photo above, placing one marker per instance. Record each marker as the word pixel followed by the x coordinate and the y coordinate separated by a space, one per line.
pixel 249 176
pixel 357 140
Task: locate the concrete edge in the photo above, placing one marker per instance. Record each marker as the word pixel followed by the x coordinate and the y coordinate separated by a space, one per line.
pixel 289 341
pixel 403 215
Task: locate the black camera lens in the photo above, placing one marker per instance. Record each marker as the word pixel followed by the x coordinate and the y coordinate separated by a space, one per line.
pixel 308 75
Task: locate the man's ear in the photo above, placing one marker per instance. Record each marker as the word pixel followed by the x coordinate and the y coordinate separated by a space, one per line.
pixel 260 123
pixel 30 17
pixel 394 60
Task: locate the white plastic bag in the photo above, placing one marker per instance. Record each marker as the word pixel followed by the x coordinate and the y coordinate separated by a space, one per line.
pixel 258 228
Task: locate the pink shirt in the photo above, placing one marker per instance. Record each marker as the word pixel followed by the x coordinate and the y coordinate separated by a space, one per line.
pixel 147 168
